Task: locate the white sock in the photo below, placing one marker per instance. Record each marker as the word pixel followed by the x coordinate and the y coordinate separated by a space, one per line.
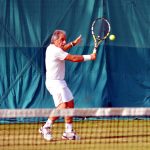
pixel 68 127
pixel 48 123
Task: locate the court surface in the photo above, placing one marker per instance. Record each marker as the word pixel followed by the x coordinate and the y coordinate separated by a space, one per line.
pixel 94 135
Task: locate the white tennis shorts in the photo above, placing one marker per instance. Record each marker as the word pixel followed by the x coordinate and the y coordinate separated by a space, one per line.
pixel 59 91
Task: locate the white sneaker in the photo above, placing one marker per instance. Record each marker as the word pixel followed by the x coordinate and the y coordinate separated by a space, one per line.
pixel 70 136
pixel 46 133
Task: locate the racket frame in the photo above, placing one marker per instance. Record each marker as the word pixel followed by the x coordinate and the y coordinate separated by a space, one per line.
pixel 98 40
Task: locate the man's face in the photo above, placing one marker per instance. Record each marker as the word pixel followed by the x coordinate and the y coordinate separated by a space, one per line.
pixel 61 41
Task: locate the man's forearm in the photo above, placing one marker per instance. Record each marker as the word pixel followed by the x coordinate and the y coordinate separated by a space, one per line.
pixel 68 46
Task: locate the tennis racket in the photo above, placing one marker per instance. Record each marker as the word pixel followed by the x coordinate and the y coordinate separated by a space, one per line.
pixel 100 30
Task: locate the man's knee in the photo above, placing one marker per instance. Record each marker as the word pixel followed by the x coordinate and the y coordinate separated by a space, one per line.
pixel 70 104
pixel 62 105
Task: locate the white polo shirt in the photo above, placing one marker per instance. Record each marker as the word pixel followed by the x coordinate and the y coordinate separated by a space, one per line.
pixel 55 65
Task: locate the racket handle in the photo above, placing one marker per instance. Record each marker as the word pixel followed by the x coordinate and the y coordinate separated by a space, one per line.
pixel 94 51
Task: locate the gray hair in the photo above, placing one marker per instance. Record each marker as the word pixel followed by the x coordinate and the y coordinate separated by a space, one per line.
pixel 56 34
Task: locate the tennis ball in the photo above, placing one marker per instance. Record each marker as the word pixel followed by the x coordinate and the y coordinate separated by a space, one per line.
pixel 112 37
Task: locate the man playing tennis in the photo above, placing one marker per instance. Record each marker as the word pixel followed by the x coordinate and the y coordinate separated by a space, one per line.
pixel 55 72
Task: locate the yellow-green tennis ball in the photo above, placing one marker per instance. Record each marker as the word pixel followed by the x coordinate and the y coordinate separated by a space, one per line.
pixel 112 37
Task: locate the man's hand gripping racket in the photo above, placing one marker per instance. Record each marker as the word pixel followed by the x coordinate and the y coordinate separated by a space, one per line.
pixel 100 30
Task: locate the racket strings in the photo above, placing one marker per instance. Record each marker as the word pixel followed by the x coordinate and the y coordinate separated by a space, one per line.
pixel 101 29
